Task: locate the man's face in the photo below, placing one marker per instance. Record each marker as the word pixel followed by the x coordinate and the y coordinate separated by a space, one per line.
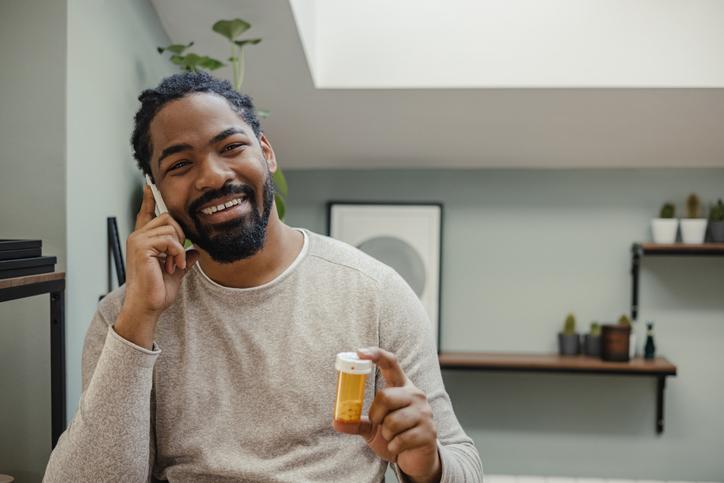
pixel 204 155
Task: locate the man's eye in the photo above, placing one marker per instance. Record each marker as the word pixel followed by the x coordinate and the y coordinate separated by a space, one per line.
pixel 230 147
pixel 180 164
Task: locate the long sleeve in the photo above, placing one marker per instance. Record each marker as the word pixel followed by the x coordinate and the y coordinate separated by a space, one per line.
pixel 405 331
pixel 110 437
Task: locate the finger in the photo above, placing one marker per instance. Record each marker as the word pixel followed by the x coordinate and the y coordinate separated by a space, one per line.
pixel 146 213
pixel 370 433
pixel 388 400
pixel 387 362
pixel 166 220
pixel 179 259
pixel 414 438
pixel 166 244
pixel 399 421
pixel 363 427
pixel 170 265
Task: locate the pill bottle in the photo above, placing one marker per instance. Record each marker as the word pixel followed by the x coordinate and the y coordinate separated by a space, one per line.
pixel 351 378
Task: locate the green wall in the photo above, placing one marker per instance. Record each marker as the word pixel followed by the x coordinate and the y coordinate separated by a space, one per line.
pixel 32 196
pixel 521 249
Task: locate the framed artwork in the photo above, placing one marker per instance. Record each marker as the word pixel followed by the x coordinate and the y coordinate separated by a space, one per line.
pixel 405 236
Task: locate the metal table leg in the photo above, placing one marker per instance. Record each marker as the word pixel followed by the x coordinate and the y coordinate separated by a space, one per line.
pixel 57 364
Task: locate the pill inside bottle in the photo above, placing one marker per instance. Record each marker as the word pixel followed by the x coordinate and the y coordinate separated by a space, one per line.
pixel 352 375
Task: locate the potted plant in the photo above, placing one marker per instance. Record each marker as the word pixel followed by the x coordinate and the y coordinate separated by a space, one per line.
pixel 693 228
pixel 716 222
pixel 665 226
pixel 569 343
pixel 616 341
pixel 592 341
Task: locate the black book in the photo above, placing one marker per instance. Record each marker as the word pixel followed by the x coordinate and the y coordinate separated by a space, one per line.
pixel 11 249
pixel 26 266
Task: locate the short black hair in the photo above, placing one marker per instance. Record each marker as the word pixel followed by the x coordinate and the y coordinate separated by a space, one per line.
pixel 175 87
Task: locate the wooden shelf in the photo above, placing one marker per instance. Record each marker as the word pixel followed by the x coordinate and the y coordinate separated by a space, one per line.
pixel 639 250
pixel 660 368
pixel 679 248
pixel 554 363
pixel 30 279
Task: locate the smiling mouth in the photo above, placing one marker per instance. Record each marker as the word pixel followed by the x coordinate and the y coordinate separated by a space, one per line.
pixel 223 206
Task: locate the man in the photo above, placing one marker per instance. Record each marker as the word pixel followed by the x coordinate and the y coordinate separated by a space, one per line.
pixel 217 364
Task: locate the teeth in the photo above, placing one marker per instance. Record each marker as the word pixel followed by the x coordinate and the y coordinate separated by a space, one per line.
pixel 213 209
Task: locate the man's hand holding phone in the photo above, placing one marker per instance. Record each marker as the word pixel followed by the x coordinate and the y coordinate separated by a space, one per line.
pixel 156 264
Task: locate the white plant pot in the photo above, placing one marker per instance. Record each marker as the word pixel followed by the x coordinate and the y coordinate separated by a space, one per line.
pixel 693 231
pixel 664 229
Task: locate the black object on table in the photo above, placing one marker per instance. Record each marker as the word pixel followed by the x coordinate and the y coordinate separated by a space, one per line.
pixel 54 284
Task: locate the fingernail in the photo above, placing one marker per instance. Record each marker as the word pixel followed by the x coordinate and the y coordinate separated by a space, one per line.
pixel 364 351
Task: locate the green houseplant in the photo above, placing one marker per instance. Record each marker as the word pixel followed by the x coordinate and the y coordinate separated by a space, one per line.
pixel 664 227
pixel 568 340
pixel 592 341
pixel 716 222
pixel 693 228
pixel 231 30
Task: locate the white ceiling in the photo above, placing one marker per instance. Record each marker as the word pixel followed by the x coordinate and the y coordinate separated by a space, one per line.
pixel 449 128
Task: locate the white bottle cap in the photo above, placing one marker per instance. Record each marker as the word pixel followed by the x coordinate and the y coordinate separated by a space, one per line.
pixel 350 363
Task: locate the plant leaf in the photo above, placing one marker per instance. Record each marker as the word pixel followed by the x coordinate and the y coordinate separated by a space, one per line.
pixel 281 207
pixel 262 113
pixel 242 43
pixel 231 29
pixel 281 182
pixel 178 59
pixel 210 63
pixel 174 48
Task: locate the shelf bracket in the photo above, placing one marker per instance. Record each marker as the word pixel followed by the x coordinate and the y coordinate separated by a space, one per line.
pixel 660 386
pixel 635 268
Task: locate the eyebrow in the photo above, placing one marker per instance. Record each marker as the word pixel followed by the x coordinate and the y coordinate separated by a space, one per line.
pixel 177 148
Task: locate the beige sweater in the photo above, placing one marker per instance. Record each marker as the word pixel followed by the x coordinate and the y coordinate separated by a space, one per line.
pixel 241 384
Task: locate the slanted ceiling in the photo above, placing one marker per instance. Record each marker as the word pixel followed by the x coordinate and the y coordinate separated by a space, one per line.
pixel 566 115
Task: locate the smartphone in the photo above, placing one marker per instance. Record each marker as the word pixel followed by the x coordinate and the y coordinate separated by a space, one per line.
pixel 161 207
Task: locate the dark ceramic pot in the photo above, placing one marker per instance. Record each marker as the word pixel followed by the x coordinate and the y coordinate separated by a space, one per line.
pixel 716 231
pixel 592 345
pixel 615 340
pixel 569 345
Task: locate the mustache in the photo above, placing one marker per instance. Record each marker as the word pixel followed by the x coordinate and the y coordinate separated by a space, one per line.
pixel 226 190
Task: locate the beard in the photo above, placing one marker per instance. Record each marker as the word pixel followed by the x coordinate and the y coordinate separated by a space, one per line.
pixel 236 239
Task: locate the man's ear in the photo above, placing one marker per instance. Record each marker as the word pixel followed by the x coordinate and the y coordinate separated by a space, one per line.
pixel 268 152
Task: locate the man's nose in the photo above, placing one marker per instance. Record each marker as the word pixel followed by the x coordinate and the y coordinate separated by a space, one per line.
pixel 213 173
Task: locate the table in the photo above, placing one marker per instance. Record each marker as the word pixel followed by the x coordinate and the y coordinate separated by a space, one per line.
pixel 54 284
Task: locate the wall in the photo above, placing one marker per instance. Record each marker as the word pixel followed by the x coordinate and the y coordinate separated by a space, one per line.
pixel 32 196
pixel 111 58
pixel 521 249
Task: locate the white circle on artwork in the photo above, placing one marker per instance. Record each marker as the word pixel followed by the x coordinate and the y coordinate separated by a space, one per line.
pixel 399 255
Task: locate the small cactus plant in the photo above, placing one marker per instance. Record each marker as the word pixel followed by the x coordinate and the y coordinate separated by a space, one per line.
pixel 667 211
pixel 624 320
pixel 595 329
pixel 693 206
pixel 569 326
pixel 717 211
